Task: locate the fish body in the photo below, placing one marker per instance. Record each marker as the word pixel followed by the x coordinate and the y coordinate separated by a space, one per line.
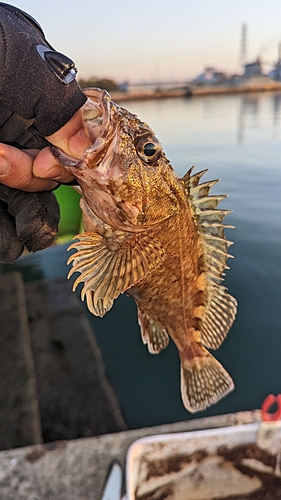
pixel 156 237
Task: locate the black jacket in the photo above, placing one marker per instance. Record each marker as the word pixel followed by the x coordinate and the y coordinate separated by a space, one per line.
pixel 36 99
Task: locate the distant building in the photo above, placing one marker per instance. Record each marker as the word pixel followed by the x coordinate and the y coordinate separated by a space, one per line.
pixel 210 76
pixel 253 69
pixel 275 73
pixel 123 86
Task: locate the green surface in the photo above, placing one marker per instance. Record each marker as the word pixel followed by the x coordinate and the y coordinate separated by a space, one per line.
pixel 70 221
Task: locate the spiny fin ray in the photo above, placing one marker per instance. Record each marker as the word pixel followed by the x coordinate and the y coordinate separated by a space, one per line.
pixel 193 180
pixel 219 307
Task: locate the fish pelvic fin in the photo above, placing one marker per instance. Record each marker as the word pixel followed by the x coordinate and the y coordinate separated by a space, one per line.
pixel 204 381
pixel 152 333
pixel 218 307
pixel 110 266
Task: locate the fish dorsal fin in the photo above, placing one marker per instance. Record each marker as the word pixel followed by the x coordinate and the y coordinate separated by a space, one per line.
pixel 110 266
pixel 152 333
pixel 218 307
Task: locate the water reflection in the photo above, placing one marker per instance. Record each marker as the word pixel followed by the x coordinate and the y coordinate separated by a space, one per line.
pixel 248 115
pixel 251 110
pixel 276 107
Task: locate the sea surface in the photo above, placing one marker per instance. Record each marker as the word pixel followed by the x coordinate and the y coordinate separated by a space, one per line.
pixel 238 139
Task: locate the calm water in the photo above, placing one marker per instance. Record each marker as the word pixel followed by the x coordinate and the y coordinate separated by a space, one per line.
pixel 238 139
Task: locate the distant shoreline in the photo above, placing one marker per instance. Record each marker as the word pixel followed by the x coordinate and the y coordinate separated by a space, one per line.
pixel 254 85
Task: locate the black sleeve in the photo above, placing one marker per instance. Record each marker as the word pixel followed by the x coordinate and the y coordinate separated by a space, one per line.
pixel 33 89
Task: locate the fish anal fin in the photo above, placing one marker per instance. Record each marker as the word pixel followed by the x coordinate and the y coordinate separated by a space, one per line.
pixel 110 266
pixel 204 381
pixel 152 333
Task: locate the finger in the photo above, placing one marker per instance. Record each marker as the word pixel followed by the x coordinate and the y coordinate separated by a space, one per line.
pixel 45 166
pixel 19 173
pixel 72 138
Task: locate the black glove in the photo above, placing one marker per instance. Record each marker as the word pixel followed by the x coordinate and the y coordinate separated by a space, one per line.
pixel 26 219
pixel 38 88
pixel 38 95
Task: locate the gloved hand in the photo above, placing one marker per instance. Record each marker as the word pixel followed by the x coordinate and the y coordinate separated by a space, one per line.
pixel 39 104
pixel 26 219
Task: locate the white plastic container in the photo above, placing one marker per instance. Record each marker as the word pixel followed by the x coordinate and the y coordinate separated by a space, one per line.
pixel 206 465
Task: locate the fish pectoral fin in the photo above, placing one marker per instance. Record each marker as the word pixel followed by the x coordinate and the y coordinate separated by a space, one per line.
pixel 152 333
pixel 109 267
pixel 204 382
pixel 98 307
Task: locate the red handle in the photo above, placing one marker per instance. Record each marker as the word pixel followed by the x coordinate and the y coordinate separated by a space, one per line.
pixel 269 401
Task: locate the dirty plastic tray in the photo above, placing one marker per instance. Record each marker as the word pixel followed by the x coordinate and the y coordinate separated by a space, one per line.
pixel 203 465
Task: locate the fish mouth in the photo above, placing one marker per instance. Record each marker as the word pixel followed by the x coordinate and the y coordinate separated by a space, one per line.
pixel 99 114
pixel 101 117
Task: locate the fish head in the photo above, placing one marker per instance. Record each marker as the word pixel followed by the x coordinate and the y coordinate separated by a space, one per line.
pixel 125 178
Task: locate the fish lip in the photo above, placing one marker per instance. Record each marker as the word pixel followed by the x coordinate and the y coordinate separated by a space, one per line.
pixel 63 158
pixel 93 154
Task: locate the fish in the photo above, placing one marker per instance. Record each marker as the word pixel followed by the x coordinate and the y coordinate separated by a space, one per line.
pixel 158 238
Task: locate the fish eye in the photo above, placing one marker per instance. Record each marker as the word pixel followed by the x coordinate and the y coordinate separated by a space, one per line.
pixel 148 148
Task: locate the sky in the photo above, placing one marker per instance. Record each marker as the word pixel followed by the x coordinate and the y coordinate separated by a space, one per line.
pixel 154 40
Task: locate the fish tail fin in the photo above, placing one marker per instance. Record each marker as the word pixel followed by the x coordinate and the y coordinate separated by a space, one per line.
pixel 203 382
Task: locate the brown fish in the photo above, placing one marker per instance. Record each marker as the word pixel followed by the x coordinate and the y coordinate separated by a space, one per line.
pixel 156 237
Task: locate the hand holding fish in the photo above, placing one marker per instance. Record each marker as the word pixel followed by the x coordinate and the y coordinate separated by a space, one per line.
pixel 35 170
pixel 156 237
pixel 30 214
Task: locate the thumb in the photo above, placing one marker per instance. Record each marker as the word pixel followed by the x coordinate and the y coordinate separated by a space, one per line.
pixel 72 137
